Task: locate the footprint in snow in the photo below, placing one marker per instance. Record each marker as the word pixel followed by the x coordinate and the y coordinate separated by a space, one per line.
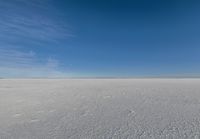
pixel 17 115
pixel 107 97
pixel 51 111
pixel 40 112
pixel 51 101
pixel 129 112
pixel 34 120
pixel 196 137
pixel 19 101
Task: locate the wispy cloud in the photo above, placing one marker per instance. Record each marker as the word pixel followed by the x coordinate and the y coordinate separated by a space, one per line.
pixel 25 26
pixel 27 64
pixel 31 23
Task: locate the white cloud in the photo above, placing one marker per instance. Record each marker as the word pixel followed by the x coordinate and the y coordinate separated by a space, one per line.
pixel 52 63
pixel 14 63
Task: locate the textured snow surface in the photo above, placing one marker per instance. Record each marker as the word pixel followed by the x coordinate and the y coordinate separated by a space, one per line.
pixel 100 109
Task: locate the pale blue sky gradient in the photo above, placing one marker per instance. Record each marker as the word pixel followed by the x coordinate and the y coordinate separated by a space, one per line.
pixel 99 38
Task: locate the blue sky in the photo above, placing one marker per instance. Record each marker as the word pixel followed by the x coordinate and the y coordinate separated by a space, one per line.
pixel 99 38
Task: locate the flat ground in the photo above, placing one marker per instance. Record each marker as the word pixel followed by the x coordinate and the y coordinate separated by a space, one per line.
pixel 99 108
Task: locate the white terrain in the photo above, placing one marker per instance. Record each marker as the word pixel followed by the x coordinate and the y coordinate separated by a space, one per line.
pixel 99 108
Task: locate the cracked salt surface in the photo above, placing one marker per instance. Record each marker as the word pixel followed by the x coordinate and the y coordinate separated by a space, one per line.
pixel 100 108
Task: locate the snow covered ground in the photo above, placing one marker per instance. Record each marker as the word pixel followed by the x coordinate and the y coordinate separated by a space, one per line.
pixel 99 108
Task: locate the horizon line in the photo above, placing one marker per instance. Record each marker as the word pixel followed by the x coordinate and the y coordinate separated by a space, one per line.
pixel 108 77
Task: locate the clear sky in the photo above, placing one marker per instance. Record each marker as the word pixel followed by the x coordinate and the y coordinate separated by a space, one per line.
pixel 99 38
